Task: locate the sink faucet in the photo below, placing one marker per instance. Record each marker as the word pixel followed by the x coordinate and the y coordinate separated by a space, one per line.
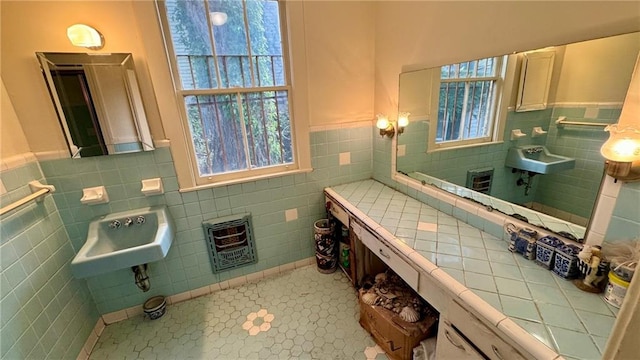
pixel 534 150
pixel 114 224
pixel 128 222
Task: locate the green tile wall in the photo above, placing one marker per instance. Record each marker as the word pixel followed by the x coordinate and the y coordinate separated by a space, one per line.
pixel 187 266
pixel 625 222
pixel 575 190
pixel 46 313
pixel 453 164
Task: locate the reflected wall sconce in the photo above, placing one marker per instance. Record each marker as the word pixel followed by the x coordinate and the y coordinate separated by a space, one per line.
pixel 622 152
pixel 85 36
pixel 218 18
pixel 403 121
pixel 385 126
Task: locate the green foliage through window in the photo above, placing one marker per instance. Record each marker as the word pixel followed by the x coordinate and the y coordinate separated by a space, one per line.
pixel 466 103
pixel 235 125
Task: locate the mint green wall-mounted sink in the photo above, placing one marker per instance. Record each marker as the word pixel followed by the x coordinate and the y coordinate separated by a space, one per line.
pixel 538 159
pixel 125 239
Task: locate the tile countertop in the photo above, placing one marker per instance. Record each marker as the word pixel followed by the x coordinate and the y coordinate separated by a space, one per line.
pixel 574 323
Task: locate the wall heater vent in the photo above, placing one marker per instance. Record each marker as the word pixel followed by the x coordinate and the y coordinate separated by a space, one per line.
pixel 480 180
pixel 230 242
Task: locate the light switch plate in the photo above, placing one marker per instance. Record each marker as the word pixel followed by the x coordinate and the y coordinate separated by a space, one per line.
pixel 291 214
pixel 345 158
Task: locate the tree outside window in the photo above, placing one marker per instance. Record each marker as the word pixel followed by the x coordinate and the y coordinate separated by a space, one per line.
pixel 231 73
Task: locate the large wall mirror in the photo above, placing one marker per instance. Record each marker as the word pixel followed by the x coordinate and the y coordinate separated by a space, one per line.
pixel 582 84
pixel 98 102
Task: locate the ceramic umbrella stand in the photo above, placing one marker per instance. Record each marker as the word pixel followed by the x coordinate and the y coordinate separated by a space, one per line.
pixel 326 257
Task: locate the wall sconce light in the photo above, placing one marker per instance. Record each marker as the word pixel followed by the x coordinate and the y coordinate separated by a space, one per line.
pixel 85 36
pixel 218 18
pixel 622 152
pixel 385 126
pixel 403 121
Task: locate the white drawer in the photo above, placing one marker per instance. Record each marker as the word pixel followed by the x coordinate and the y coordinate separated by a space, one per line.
pixel 386 254
pixel 338 212
pixel 452 346
pixel 481 335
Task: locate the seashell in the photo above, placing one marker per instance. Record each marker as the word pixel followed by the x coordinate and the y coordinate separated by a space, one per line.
pixel 409 314
pixel 381 277
pixel 369 298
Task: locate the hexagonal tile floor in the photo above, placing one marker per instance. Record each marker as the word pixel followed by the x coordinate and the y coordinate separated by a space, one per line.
pixel 300 314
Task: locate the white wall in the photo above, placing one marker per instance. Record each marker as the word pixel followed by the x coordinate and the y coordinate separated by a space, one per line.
pixel 12 139
pixel 339 42
pixel 597 71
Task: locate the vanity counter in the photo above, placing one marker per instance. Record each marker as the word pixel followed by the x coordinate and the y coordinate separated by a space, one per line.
pixel 527 303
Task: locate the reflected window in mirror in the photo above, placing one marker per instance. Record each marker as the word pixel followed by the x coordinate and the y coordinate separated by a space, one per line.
pixel 468 95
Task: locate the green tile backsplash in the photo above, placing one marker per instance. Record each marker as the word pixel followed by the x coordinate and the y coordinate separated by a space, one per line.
pixel 625 222
pixel 46 313
pixel 187 266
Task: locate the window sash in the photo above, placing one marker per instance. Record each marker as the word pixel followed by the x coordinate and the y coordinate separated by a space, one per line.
pixel 279 83
pixel 247 114
pixel 472 111
pixel 217 63
pixel 490 124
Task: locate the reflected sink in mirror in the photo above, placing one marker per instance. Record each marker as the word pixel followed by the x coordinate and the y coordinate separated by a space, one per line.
pixel 538 159
pixel 124 239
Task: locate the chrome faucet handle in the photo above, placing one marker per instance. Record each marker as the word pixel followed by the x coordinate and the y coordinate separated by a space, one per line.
pixel 115 224
pixel 140 220
pixel 128 222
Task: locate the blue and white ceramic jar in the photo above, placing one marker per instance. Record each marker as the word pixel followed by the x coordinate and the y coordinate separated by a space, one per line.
pixel 524 242
pixel 566 261
pixel 546 250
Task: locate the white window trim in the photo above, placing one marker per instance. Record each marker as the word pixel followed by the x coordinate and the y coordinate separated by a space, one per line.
pixel 169 101
pixel 503 93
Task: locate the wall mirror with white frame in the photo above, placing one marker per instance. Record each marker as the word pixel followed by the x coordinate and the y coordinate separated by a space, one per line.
pixel 462 117
pixel 98 102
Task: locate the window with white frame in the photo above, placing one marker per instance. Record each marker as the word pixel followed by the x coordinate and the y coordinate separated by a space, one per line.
pixel 231 75
pixel 467 102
